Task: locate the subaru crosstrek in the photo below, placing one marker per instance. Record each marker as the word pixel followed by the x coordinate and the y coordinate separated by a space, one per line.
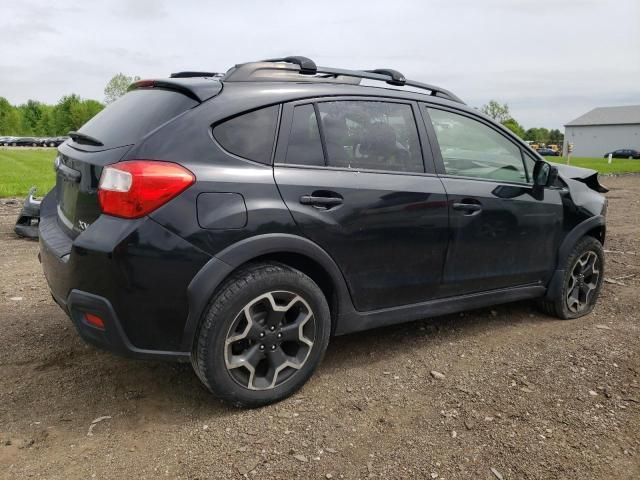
pixel 239 221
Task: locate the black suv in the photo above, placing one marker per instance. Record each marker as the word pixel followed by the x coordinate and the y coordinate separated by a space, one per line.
pixel 240 220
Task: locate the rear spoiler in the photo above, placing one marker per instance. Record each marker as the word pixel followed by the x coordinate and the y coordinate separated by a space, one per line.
pixel 200 88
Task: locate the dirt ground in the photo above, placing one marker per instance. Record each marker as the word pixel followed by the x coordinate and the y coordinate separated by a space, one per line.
pixel 523 395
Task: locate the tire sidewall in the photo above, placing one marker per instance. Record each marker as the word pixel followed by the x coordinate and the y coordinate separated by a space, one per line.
pixel 221 315
pixel 583 246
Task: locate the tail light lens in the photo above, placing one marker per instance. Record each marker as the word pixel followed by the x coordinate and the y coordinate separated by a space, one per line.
pixel 135 188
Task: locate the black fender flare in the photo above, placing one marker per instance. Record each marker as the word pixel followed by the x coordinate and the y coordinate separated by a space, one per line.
pixel 566 246
pixel 218 268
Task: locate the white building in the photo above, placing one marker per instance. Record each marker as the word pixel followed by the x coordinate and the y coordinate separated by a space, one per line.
pixel 603 130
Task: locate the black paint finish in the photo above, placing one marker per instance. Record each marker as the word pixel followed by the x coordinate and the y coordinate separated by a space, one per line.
pixel 387 246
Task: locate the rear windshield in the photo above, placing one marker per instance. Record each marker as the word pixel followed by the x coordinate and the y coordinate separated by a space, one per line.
pixel 135 114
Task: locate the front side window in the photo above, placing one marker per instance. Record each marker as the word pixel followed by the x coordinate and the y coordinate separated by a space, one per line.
pixel 470 148
pixel 250 135
pixel 371 135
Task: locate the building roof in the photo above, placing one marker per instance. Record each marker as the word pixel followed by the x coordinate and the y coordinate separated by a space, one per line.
pixel 629 114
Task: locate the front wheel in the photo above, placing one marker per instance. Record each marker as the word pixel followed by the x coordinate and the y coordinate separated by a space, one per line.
pixel 263 335
pixel 584 273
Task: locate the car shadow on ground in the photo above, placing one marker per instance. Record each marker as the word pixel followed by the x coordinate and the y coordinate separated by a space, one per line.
pixel 97 381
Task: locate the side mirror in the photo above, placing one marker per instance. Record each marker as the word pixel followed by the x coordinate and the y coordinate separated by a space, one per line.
pixel 544 174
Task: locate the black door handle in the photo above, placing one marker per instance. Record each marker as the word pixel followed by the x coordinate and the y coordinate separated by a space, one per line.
pixel 325 202
pixel 470 208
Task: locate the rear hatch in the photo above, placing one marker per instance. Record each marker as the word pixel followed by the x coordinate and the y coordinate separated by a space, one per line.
pixel 104 140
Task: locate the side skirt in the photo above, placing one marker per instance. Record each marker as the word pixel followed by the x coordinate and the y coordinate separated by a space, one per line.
pixel 349 322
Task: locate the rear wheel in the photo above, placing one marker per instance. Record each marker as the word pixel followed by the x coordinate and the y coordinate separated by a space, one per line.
pixel 263 335
pixel 584 273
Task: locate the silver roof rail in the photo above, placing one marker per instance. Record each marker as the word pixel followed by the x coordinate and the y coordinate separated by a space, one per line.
pixel 298 68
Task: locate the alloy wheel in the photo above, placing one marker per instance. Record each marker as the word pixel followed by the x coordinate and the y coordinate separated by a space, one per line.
pixel 583 282
pixel 269 340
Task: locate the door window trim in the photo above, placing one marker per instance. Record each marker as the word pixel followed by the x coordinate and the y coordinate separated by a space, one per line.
pixel 437 154
pixel 286 123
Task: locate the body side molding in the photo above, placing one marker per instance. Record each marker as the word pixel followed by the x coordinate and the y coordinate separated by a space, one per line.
pixel 350 322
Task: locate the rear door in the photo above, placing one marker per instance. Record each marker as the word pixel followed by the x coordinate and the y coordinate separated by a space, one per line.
pixel 351 172
pixel 504 233
pixel 103 140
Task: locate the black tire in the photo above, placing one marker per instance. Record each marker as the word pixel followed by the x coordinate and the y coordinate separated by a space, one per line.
pixel 212 350
pixel 559 304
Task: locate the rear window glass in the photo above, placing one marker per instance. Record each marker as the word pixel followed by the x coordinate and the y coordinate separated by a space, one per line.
pixel 305 147
pixel 250 135
pixel 371 135
pixel 135 114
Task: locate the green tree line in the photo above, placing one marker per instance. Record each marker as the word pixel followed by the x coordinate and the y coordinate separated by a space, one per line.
pixel 35 118
pixel 500 113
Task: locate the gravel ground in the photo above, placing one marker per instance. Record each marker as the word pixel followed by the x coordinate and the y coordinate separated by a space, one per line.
pixel 498 393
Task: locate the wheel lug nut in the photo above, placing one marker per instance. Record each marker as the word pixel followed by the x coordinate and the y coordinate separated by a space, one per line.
pixel 279 335
pixel 272 328
pixel 261 347
pixel 273 347
pixel 261 334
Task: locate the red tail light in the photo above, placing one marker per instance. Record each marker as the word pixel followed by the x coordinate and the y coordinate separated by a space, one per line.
pixel 135 188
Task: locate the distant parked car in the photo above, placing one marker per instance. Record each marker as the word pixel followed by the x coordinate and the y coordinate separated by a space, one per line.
pixel 57 141
pixel 548 152
pixel 7 141
pixel 624 153
pixel 25 142
pixel 48 142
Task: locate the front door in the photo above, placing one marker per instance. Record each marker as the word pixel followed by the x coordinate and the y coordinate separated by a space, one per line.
pixel 355 183
pixel 504 233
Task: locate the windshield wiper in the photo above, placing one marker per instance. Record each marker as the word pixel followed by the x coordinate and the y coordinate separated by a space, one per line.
pixel 79 137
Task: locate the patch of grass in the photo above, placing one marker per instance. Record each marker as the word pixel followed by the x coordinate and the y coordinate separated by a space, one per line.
pixel 20 169
pixel 618 165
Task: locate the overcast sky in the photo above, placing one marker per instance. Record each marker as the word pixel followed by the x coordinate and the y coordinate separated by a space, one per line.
pixel 550 60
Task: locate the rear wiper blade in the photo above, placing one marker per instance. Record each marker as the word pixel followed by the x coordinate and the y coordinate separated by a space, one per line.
pixel 79 137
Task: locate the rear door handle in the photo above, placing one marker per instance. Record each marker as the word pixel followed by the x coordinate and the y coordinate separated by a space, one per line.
pixel 470 208
pixel 325 202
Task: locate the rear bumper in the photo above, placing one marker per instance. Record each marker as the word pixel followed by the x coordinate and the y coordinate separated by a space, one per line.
pixel 133 274
pixel 112 337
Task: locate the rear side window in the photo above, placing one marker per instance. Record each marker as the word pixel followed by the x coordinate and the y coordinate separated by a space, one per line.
pixel 371 135
pixel 305 147
pixel 135 114
pixel 250 135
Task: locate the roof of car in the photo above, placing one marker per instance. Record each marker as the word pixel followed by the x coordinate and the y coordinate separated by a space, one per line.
pixel 624 115
pixel 301 72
